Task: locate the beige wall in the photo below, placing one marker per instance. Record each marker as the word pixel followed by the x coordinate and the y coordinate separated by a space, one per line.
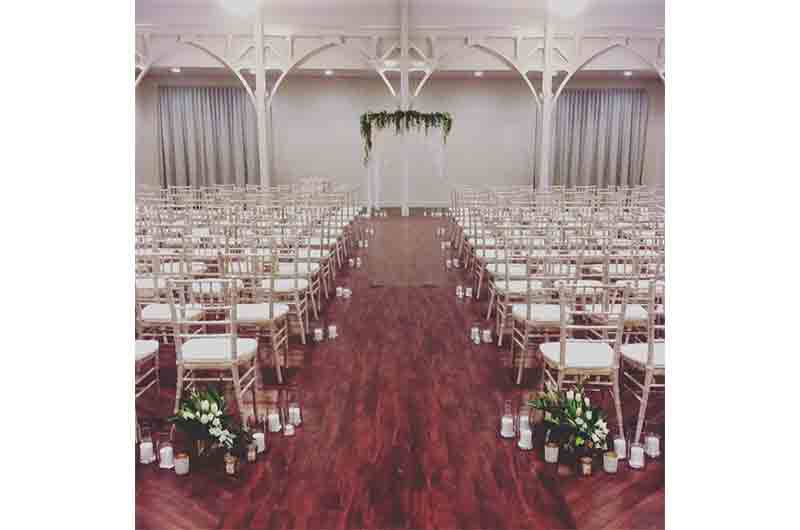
pixel 316 132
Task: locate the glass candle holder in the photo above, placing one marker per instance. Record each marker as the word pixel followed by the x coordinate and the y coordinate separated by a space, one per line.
pixel 621 447
pixel 319 334
pixel 636 457
pixel 459 291
pixel 347 293
pixel 351 262
pixel 332 331
pixel 652 445
pixel 468 292
pixel 273 419
pixel 358 262
pixel 456 263
pixel 147 454
pixel 524 418
pixel 252 452
pixel 475 333
pixel 551 453
pixel 166 455
pixel 182 464
pixel 585 466
pixel 507 429
pixel 294 415
pixel 448 263
pixel 260 439
pixel 231 464
pixel 339 291
pixel 610 462
pixel 487 336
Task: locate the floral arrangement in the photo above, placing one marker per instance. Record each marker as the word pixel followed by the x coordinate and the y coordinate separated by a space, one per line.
pixel 201 415
pixel 574 422
pixel 402 120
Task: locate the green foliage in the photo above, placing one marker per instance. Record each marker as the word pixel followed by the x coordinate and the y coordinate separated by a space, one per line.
pixel 402 121
pixel 201 415
pixel 573 421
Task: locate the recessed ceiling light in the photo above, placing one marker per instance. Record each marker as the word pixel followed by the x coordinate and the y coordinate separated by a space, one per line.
pixel 175 70
pixel 479 73
pixel 328 72
pixel 627 73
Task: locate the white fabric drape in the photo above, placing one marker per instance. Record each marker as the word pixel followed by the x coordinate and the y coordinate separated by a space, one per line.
pixel 599 137
pixel 207 135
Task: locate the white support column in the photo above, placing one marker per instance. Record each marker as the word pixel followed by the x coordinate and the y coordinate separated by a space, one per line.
pixel 261 97
pixel 404 95
pixel 545 134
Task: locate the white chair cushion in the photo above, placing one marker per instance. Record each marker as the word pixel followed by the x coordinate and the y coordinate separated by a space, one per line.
pixel 217 349
pixel 213 286
pixel 258 313
pixel 638 353
pixel 517 286
pixel 633 312
pixel 578 283
pixel 174 267
pixel 286 284
pixel 516 269
pixel 145 349
pixel 580 354
pixel 641 285
pixel 303 267
pixel 161 312
pixel 541 313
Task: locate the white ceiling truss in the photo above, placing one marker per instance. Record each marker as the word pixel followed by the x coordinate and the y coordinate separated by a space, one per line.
pixel 430 52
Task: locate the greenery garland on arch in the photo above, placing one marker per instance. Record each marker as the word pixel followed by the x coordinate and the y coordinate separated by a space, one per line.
pixel 402 120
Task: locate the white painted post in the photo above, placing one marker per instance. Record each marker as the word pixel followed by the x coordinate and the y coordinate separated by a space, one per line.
pixel 404 95
pixel 261 96
pixel 545 134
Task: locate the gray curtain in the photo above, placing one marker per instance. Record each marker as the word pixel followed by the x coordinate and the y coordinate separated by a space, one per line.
pixel 599 137
pixel 207 135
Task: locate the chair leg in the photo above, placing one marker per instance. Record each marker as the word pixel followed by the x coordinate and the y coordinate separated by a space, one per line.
pixel 522 353
pixel 253 386
pixel 237 388
pixel 491 303
pixel 617 400
pixel 648 380
pixel 178 389
pixel 275 355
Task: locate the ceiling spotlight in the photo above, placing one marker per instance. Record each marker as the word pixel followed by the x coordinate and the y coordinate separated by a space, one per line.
pixel 175 70
pixel 329 72
pixel 627 73
pixel 479 73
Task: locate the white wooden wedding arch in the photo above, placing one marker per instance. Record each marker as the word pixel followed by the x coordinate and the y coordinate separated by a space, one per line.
pixel 545 51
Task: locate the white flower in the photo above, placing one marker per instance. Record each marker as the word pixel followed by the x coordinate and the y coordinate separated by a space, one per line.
pixel 204 405
pixel 219 413
pixel 588 414
pixel 586 400
pixel 579 421
pixel 216 422
pixel 602 424
pixel 203 419
pixel 188 414
pixel 579 411
pixel 214 408
pixel 595 438
pixel 578 397
pixel 570 394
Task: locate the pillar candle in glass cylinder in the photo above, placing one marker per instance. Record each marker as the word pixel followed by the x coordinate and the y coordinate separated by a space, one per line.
pixel 620 447
pixel 456 263
pixel 165 456
pixel 610 462
pixel 652 445
pixel 468 292
pixel 551 453
pixel 366 243
pixel 318 334
pixel 339 291
pixel 182 464
pixel 294 414
pixel 507 421
pixel 288 430
pixel 146 454
pixel 358 263
pixel 459 291
pixel 260 441
pixel 274 420
pixel 448 263
pixel 636 460
pixel 586 466
pixel 332 331
pixel 525 438
pixel 347 293
pixel 487 336
pixel 351 262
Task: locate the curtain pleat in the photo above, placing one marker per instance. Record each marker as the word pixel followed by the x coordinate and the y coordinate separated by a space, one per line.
pixel 599 137
pixel 207 136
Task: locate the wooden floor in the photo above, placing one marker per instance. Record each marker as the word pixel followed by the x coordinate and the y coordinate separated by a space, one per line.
pixel 401 414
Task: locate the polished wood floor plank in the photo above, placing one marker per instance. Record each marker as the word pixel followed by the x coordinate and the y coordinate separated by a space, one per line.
pixel 400 420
